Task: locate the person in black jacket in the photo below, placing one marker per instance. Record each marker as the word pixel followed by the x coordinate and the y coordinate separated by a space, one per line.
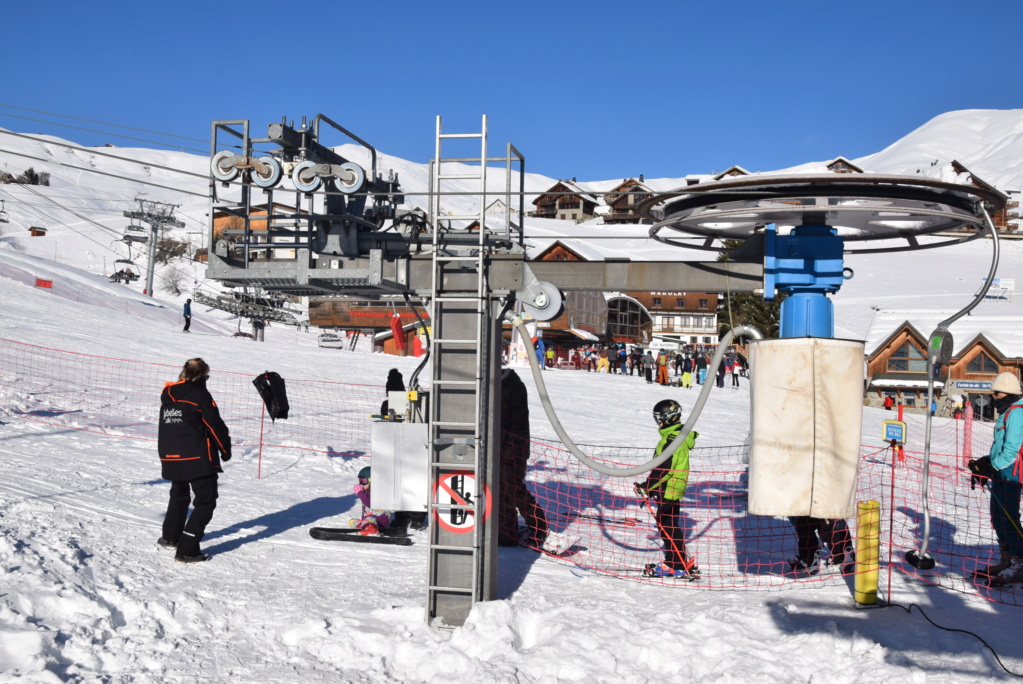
pixel 515 497
pixel 192 441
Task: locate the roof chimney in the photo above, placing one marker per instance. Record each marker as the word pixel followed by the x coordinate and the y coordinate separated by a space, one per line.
pixel 640 178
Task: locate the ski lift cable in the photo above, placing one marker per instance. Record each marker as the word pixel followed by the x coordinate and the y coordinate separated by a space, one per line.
pixel 545 399
pixel 112 231
pixel 102 123
pixel 105 173
pixel 71 211
pixel 90 150
pixel 919 558
pixel 107 133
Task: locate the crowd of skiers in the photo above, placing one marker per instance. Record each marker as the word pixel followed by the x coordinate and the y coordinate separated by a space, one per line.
pixel 654 365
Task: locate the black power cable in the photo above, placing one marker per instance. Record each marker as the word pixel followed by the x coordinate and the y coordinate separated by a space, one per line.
pixel 961 631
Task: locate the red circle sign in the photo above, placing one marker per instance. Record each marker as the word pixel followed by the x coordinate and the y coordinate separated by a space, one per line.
pixel 456 488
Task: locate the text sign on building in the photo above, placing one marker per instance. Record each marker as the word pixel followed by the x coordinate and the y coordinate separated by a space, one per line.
pixel 894 429
pixel 972 385
pixel 456 489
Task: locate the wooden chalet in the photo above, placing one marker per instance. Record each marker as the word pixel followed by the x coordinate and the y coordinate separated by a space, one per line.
pixel 231 226
pixel 1001 218
pixel 898 367
pixel 622 200
pixel 843 165
pixel 733 172
pixel 36 231
pixel 585 318
pixel 566 201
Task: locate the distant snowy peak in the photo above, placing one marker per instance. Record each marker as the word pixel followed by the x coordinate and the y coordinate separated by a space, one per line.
pixel 988 141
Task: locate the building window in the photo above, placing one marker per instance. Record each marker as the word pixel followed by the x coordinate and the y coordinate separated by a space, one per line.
pixel 703 303
pixel 907 359
pixel 680 303
pixel 982 363
pixel 657 301
pixel 706 340
pixel 692 339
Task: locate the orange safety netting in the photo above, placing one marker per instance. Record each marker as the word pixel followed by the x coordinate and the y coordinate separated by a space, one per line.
pixel 596 522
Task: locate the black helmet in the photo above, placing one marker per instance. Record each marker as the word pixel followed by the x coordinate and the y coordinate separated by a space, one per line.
pixel 667 412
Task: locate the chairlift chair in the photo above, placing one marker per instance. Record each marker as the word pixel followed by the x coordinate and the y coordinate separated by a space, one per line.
pixel 135 233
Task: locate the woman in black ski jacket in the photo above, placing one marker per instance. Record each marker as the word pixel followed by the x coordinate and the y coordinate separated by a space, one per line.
pixel 193 440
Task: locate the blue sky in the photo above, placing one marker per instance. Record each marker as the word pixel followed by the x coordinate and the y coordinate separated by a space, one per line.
pixel 595 90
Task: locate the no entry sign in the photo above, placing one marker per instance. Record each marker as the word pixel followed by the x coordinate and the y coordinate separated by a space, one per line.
pixel 457 489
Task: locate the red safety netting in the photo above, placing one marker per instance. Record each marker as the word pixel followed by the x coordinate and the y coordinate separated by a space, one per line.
pixel 120 398
pixel 597 522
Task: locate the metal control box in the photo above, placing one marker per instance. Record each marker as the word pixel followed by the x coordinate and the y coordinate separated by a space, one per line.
pixel 400 462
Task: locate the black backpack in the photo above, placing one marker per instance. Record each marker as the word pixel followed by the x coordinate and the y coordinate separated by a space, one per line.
pixel 270 386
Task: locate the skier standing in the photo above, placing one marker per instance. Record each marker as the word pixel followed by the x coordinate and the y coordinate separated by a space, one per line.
pixel 662 368
pixel 832 533
pixel 648 367
pixel 701 368
pixel 1002 467
pixel 666 485
pixel 187 313
pixel 192 442
pixel 515 497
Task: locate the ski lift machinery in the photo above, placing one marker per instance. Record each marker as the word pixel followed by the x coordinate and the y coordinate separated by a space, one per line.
pixel 801 225
pixel 337 223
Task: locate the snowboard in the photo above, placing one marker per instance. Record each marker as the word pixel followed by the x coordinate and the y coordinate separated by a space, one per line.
pixel 350 534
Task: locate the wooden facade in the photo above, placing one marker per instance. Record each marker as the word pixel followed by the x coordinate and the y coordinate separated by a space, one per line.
pixel 898 366
pixel 567 201
pixel 843 165
pixel 358 315
pixel 685 317
pixel 36 231
pixel 230 227
pixel 622 200
pixel 733 172
pixel 1002 217
pixel 585 311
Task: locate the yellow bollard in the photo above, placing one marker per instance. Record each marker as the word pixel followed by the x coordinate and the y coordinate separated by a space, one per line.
pixel 868 548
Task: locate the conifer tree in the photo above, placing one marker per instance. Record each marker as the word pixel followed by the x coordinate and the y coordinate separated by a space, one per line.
pixel 747 308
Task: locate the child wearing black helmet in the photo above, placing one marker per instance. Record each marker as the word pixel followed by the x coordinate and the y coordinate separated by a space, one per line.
pixel 666 485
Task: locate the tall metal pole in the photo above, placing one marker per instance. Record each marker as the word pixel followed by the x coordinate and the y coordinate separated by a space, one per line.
pixel 157 215
pixel 153 239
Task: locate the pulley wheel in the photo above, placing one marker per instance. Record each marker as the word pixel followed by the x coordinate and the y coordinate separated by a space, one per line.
pixel 304 179
pixel 222 166
pixel 547 306
pixel 351 179
pixel 271 176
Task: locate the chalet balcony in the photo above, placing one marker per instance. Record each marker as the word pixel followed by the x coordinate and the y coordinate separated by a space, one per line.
pixel 622 217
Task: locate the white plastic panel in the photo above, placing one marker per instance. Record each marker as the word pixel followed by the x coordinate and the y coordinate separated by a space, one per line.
pixel 806 415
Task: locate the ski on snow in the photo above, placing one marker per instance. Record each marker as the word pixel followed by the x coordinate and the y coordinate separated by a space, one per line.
pixel 348 534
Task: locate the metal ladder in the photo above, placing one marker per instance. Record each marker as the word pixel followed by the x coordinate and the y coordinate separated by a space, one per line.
pixel 457 442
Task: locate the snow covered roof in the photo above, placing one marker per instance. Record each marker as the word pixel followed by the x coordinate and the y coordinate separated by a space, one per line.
pixel 1003 331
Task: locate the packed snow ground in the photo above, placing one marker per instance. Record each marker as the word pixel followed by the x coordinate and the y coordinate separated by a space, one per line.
pixel 86 595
